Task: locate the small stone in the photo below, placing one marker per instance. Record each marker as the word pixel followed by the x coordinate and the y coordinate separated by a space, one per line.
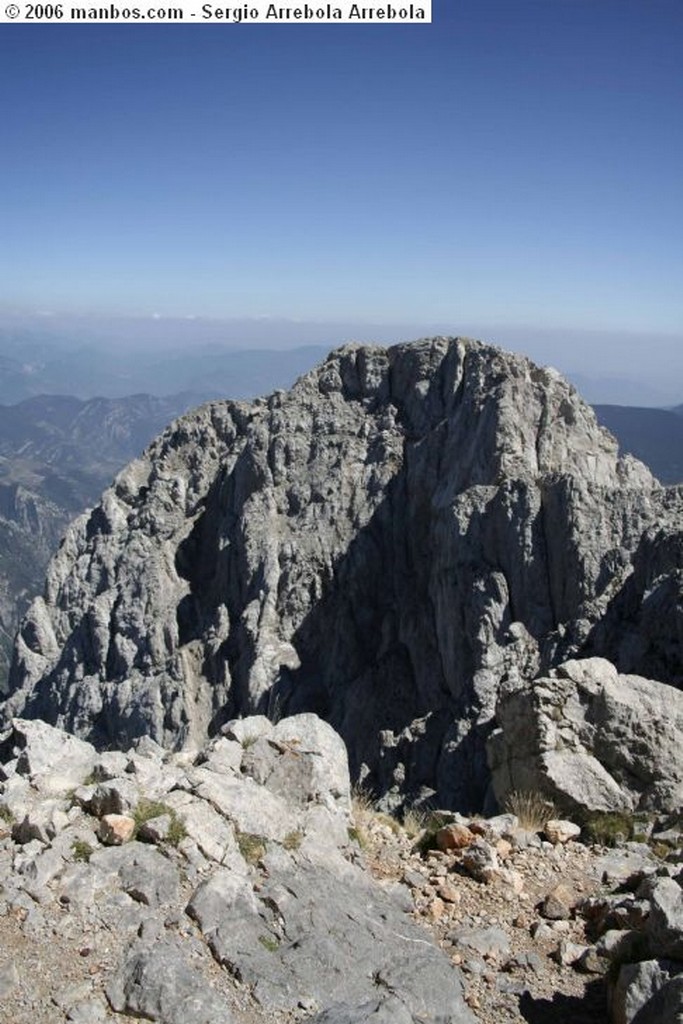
pixel 591 962
pixel 557 906
pixel 510 879
pixel 156 830
pixel 560 927
pixel 9 979
pixel 526 961
pixel 436 910
pixel 491 943
pixel 479 827
pixel 558 831
pixel 567 953
pixel 449 893
pixel 541 932
pixel 116 829
pixel 90 1012
pixel 454 837
pixel 509 987
pixel 481 861
pixel 503 848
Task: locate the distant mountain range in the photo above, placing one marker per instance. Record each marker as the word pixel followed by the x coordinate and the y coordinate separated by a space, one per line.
pixel 655 436
pixel 29 367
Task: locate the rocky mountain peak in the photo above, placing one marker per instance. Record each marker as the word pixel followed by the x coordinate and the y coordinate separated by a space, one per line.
pixel 401 536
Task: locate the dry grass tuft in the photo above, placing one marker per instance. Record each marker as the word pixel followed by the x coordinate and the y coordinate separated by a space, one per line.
pixel 531 808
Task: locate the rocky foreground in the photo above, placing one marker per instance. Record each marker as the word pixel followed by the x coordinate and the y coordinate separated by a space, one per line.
pixel 244 884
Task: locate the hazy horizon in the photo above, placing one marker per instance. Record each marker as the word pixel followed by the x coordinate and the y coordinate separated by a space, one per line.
pixel 616 367
pixel 509 170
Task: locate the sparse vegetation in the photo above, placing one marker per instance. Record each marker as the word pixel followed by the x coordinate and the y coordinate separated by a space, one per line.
pixel 293 840
pixel 531 808
pixel 252 847
pixel 147 810
pixel 362 801
pixel 269 942
pixel 415 821
pixel 356 835
pixel 609 828
pixel 362 810
pixel 81 850
pixel 6 815
pixel 249 741
pixel 176 830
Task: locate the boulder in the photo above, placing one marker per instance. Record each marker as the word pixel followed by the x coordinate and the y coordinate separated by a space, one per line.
pixel 159 984
pixel 53 761
pixel 589 738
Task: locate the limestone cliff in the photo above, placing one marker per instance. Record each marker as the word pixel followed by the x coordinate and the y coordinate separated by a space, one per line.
pixel 386 544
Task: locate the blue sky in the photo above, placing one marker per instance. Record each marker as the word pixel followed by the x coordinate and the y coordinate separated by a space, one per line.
pixel 515 163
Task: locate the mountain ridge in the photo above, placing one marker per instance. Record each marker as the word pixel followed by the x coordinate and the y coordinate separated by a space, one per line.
pixel 388 544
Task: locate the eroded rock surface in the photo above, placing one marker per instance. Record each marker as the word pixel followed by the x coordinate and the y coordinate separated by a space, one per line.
pixel 386 544
pixel 591 739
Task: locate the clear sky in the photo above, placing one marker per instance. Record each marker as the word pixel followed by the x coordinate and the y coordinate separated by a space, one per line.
pixel 517 162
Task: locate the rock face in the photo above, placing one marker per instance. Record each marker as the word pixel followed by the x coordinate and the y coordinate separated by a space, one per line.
pixel 56 455
pixel 590 738
pixel 386 544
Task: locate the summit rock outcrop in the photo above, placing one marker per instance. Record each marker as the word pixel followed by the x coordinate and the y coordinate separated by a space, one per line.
pixel 393 542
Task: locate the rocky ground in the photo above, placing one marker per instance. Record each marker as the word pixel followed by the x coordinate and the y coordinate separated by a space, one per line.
pixel 243 884
pixel 520 938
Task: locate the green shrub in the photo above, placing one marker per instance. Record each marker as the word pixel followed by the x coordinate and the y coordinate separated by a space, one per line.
pixel 81 850
pixel 148 809
pixel 176 831
pixel 608 828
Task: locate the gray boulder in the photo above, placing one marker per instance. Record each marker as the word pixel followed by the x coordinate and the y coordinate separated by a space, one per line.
pixel 144 873
pixel 665 922
pixel 638 993
pixel 588 737
pixel 159 984
pixel 53 761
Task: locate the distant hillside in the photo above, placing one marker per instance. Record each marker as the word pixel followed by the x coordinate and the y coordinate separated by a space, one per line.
pixel 653 435
pixel 210 370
